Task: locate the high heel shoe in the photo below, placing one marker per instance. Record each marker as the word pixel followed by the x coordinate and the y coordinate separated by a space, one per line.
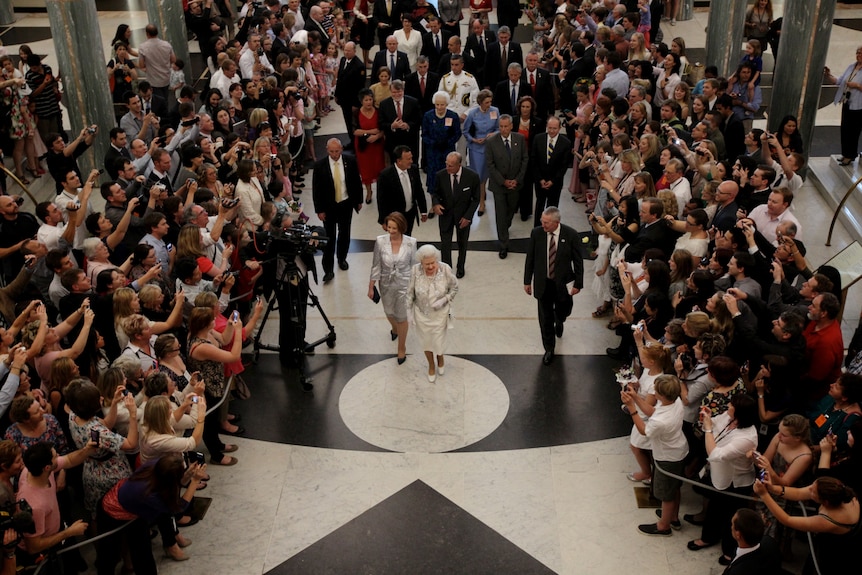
pixel 393 335
pixel 441 369
pixel 401 360
pixel 432 377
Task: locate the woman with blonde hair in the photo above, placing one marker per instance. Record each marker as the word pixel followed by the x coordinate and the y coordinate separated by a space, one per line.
pixel 682 96
pixel 127 303
pixel 159 436
pixel 650 148
pixel 638 50
pixel 630 162
pixel 190 244
pixel 644 187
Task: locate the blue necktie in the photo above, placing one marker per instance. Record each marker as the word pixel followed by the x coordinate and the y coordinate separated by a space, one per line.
pixel 514 98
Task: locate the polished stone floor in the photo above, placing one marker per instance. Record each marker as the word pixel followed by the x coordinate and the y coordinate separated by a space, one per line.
pixel 503 466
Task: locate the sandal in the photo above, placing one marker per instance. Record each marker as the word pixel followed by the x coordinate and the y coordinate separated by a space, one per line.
pixel 603 310
pixel 23 179
pixel 614 323
pixel 845 162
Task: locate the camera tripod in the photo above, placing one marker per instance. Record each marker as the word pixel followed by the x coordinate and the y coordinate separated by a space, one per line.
pixel 292 296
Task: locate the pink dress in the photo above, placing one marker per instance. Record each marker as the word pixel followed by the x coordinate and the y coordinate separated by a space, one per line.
pixel 318 64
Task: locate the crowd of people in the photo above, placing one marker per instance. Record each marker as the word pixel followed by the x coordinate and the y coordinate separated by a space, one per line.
pixel 121 330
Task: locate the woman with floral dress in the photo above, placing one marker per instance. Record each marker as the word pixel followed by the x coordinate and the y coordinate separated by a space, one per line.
pixel 22 127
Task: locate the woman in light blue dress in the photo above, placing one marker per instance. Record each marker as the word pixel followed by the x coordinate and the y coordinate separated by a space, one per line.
pixel 394 255
pixel 481 122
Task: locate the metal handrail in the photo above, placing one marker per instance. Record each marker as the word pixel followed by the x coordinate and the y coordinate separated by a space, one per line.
pixel 19 182
pixel 839 208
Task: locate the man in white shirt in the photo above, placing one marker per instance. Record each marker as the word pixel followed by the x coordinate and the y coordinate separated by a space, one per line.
pixel 299 20
pixel 679 184
pixel 776 210
pixel 68 202
pixel 224 77
pixel 254 59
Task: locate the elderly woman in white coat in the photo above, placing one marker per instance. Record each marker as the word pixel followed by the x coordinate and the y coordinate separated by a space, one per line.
pixel 429 296
pixel 394 254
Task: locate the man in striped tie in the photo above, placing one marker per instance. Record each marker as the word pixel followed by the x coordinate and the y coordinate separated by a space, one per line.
pixel 553 273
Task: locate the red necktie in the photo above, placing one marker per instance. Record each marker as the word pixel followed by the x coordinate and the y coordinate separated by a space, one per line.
pixel 552 256
pixel 422 85
pixel 398 108
pixel 533 82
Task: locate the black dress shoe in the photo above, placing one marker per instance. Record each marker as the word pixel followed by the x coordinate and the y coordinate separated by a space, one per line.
pixel 503 253
pixel 343 265
pixel 548 357
pixel 481 213
pixel 328 277
pixel 459 274
pixel 558 329
pixel 525 218
pixel 724 560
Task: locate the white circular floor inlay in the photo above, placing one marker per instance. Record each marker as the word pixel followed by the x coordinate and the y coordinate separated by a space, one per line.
pixel 395 407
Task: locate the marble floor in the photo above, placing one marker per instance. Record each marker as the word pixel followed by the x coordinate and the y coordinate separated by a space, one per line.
pixel 502 466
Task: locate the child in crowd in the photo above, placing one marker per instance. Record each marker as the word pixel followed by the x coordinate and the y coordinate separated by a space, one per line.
pixel 178 78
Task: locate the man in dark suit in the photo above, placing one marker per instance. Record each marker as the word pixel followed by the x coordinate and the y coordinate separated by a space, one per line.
pixel 508 13
pixel 765 558
pixel 550 157
pixel 117 149
pixel 731 127
pixel 506 157
pixel 351 79
pixel 653 233
pixel 391 54
pixel 314 23
pixel 454 49
pixel 476 47
pixel 541 87
pixel 399 189
pixel 400 118
pixel 435 42
pixel 508 92
pixel 455 198
pixel 387 15
pixel 725 215
pixel 337 190
pixel 415 81
pixel 495 64
pixel 553 273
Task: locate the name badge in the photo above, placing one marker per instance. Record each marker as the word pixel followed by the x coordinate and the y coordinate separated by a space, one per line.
pixel 447 122
pixel 493 114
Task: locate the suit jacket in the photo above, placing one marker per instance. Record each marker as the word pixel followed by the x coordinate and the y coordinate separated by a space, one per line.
pixel 324 188
pixel 351 79
pixel 734 136
pixel 411 88
pixel 445 65
pixel 474 49
pixel 460 204
pixel 410 114
pixel 158 106
pixel 504 165
pixel 568 264
pixel 428 48
pixel 655 235
pixel 766 560
pixel 394 19
pixel 494 70
pixel 502 99
pixel 544 92
pixel 560 160
pixel 279 46
pixel 110 158
pixel 390 194
pixel 312 26
pixel 402 65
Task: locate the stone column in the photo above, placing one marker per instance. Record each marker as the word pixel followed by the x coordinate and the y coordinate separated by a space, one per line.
pixel 724 35
pixel 686 9
pixel 799 64
pixel 168 16
pixel 81 61
pixel 7 13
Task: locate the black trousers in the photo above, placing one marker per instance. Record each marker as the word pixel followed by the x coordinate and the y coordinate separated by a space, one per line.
pixel 137 536
pixel 212 426
pixel 716 525
pixel 544 199
pixel 851 128
pixel 337 226
pixel 448 224
pixel 525 199
pixel 553 308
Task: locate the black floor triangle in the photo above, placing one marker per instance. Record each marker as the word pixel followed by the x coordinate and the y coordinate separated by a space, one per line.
pixel 415 531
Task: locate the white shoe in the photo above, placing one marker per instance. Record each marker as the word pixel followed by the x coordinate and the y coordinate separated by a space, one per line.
pixel 432 377
pixel 441 369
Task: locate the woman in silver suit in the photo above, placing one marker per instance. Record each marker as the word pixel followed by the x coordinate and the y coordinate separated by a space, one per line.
pixel 394 254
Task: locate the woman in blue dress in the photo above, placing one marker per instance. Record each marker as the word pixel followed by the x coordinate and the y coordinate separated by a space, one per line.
pixel 441 129
pixel 481 122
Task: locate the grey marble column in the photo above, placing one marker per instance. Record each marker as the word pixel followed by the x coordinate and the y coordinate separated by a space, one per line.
pixel 799 64
pixel 7 13
pixel 168 16
pixel 78 47
pixel 724 35
pixel 686 10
